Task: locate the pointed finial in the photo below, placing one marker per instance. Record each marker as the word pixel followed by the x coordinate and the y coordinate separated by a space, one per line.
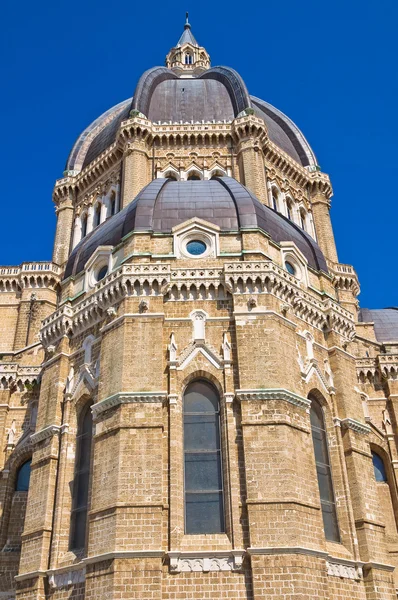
pixel 187 25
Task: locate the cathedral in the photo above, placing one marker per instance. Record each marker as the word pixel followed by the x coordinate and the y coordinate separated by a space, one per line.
pixel 193 405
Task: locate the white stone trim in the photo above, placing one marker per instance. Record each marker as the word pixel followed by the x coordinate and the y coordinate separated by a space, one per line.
pixel 206 561
pixel 344 569
pixel 288 550
pixel 45 433
pixel 73 576
pixel 355 425
pixel 127 398
pixel 122 554
pixel 379 566
pixel 274 394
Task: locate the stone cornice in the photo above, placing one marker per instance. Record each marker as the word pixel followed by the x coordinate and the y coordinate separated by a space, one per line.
pixel 127 398
pixel 122 555
pixel 34 275
pixel 46 433
pixel 352 424
pixel 273 394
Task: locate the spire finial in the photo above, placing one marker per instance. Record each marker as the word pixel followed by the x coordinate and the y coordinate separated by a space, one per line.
pixel 187 25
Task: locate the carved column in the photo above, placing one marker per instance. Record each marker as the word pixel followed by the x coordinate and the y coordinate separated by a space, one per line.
pixel 251 136
pixel 321 192
pixel 64 195
pixel 137 158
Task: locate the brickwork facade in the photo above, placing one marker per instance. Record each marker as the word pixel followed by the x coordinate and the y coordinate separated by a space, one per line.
pixel 128 346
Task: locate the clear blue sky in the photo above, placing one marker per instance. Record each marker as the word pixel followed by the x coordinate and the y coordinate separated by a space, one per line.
pixel 330 66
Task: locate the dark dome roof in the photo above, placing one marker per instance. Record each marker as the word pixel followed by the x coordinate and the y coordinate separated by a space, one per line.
pixel 165 203
pixel 385 322
pixel 218 94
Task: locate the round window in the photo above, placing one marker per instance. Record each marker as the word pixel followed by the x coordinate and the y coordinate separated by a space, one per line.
pixel 102 272
pixel 196 247
pixel 289 268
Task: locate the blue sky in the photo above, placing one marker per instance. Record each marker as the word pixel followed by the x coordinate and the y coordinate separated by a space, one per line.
pixel 330 66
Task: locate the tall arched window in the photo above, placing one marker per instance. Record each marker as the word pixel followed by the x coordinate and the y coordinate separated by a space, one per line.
pixel 379 468
pixel 23 477
pixel 113 204
pixel 302 219
pixel 84 225
pixel 274 200
pixel 204 507
pixel 188 59
pixel 97 215
pixel 81 480
pixel 289 209
pixel 324 474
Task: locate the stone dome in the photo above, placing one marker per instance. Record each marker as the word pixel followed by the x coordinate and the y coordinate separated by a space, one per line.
pixel 218 94
pixel 165 203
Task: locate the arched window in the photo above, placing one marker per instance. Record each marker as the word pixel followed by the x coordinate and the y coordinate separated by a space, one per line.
pixel 324 474
pixel 379 468
pixel 113 203
pixel 84 225
pixel 193 177
pixel 204 507
pixel 81 480
pixel 188 59
pixel 97 215
pixel 23 477
pixel 274 200
pixel 302 219
pixel 289 209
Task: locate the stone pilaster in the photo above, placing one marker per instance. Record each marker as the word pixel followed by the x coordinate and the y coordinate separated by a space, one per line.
pixel 64 194
pixel 251 136
pixel 321 192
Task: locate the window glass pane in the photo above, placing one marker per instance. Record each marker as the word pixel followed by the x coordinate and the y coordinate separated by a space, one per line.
pixel 204 513
pixel 202 472
pixel 81 495
pixel 84 453
pixel 79 520
pixel 325 483
pixel 23 477
pixel 330 522
pixel 200 397
pixel 201 431
pixel 379 468
pixel 320 448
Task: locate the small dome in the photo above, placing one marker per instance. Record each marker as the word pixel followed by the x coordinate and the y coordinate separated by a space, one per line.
pixel 165 203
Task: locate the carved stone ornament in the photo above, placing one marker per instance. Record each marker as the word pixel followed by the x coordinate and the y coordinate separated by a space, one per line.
pixel 344 571
pixel 66 578
pixel 205 562
pixel 252 302
pixel 143 306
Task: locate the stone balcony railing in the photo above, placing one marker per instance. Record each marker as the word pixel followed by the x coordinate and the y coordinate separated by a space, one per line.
pixel 29 275
pixel 158 279
pixel 344 277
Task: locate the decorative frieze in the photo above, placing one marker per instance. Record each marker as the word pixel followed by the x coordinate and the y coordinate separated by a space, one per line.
pixel 345 570
pixel 66 578
pixel 204 562
pixel 273 394
pixel 127 398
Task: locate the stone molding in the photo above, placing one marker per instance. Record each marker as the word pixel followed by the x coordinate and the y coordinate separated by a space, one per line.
pixel 127 398
pixel 47 432
pixel 122 554
pixel 274 394
pixel 30 275
pixel 159 279
pixel 288 550
pixel 352 424
pixel 379 566
pixel 207 561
